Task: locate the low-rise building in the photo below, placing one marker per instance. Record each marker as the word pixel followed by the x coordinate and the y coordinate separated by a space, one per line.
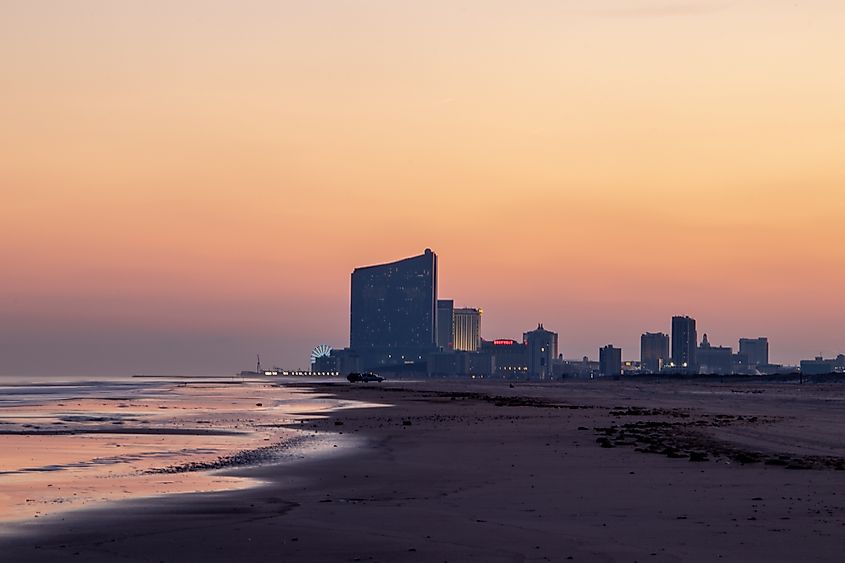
pixel 458 363
pixel 511 356
pixel 818 366
pixel 584 368
pixel 714 360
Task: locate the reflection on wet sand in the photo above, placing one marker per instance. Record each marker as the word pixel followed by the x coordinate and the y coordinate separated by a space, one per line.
pixel 74 445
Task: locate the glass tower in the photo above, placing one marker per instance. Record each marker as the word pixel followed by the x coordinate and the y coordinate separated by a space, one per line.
pixel 654 351
pixel 394 311
pixel 684 343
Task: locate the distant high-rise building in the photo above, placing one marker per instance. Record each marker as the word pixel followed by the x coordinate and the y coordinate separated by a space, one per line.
pixel 394 311
pixel 756 350
pixel 684 343
pixel 467 329
pixel 610 360
pixel 542 349
pixel 445 324
pixel 654 351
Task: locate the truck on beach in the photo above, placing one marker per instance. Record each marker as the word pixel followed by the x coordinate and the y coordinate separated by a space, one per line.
pixel 366 377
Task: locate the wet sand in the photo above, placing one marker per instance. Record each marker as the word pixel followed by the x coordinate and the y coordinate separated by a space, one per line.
pixel 79 444
pixel 610 471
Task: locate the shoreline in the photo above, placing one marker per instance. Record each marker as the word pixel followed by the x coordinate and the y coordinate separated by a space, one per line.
pixel 467 472
pixel 83 444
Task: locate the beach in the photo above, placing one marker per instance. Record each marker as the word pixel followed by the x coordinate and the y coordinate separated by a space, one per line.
pixel 475 471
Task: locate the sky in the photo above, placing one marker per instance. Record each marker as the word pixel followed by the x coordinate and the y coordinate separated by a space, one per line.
pixel 186 184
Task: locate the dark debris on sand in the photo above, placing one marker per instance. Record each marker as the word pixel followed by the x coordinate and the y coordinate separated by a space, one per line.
pixel 255 456
pixel 687 439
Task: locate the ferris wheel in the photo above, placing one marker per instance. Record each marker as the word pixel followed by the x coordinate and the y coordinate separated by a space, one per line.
pixel 320 351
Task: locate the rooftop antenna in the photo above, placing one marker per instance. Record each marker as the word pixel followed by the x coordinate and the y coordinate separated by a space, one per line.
pixel 258 363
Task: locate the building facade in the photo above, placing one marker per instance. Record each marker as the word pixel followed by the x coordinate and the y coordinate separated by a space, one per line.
pixel 346 361
pixel 610 361
pixel 584 368
pixel 393 312
pixel 445 326
pixel 818 366
pixel 755 350
pixel 326 364
pixel 511 357
pixel 542 349
pixel 654 351
pixel 684 343
pixel 714 360
pixel 458 363
pixel 466 329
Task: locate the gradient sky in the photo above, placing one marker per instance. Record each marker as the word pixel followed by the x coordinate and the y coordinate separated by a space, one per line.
pixel 185 184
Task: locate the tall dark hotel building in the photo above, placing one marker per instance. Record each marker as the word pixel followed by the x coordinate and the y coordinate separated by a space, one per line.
pixel 445 325
pixel 394 312
pixel 684 343
pixel 654 351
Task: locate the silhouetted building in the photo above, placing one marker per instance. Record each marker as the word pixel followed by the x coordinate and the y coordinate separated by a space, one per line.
pixel 394 311
pixel 756 350
pixel 511 357
pixel 610 361
pixel 542 349
pixel 326 364
pixel 346 361
pixel 818 366
pixel 684 343
pixel 654 351
pixel 583 368
pixel 456 362
pixel 467 329
pixel 740 364
pixel 445 326
pixel 632 367
pixel 714 359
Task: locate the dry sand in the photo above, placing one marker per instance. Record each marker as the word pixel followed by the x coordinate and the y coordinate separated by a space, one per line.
pixel 486 472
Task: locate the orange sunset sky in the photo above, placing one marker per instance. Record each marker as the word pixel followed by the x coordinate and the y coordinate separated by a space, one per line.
pixel 186 183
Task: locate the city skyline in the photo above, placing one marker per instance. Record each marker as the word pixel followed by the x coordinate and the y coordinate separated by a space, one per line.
pixel 399 325
pixel 183 191
pixel 629 344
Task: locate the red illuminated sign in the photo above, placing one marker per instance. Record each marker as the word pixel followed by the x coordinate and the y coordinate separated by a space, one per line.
pixel 504 342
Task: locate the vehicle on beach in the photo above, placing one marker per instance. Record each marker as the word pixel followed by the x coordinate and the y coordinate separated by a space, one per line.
pixel 366 377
